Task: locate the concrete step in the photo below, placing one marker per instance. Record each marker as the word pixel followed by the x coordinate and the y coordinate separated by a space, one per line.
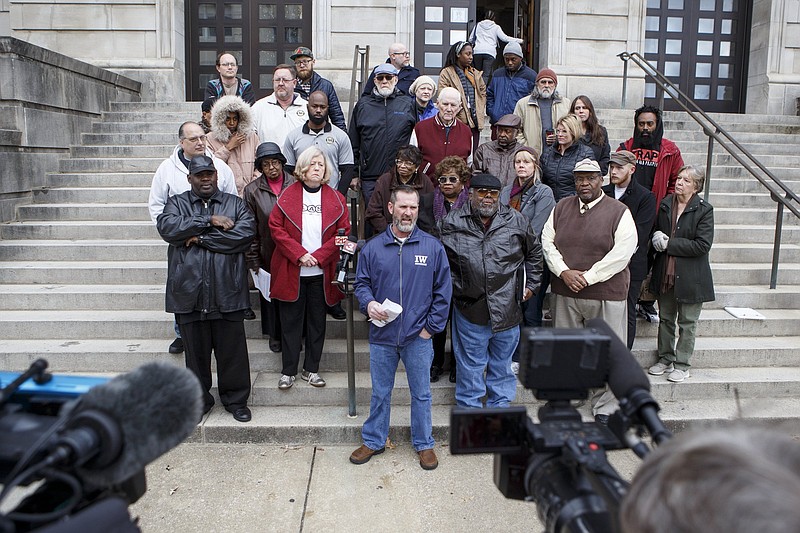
pixel 784 296
pixel 331 425
pixel 115 164
pixel 92 195
pixel 753 253
pixel 761 233
pixel 758 149
pixel 754 273
pixel 756 200
pixel 99 250
pixel 159 126
pixel 152 324
pixel 122 324
pixel 749 215
pixel 161 115
pixel 83 211
pixel 89 272
pixel 77 230
pixel 100 179
pixel 108 139
pixel 123 151
pixel 745 184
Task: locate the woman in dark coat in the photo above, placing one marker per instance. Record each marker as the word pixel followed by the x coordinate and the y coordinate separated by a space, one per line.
pixel 261 196
pixel 559 159
pixel 684 232
pixel 594 135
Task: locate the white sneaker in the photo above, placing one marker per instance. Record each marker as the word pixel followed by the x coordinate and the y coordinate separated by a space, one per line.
pixel 660 368
pixel 678 375
pixel 313 378
pixel 285 382
pixel 515 368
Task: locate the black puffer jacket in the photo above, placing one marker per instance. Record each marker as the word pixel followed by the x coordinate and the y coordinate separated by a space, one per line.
pixel 210 276
pixel 488 268
pixel 557 168
pixel 378 128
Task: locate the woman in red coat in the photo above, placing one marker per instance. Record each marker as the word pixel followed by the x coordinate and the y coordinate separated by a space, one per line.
pixel 304 224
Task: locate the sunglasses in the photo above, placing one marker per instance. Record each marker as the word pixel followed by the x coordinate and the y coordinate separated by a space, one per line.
pixel 448 179
pixel 491 193
pixel 384 77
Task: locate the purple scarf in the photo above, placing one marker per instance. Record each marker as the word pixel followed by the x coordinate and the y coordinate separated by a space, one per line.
pixel 439 210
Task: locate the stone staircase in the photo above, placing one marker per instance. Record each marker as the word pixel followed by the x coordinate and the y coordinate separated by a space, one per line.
pixel 83 271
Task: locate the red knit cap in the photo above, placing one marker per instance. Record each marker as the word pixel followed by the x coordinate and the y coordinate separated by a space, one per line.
pixel 547 73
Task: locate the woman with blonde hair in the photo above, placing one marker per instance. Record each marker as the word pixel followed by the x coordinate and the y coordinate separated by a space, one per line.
pixel 304 224
pixel 559 159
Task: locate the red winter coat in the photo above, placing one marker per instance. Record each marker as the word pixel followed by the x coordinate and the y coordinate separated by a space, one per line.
pixel 286 227
pixel 669 163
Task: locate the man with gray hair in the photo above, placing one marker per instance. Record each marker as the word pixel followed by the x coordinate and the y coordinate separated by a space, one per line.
pixel 400 59
pixel 541 111
pixel 496 262
pixel 588 241
pixel 442 135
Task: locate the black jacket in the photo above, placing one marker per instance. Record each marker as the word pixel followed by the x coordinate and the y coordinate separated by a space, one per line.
pixel 690 246
pixel 642 205
pixel 491 269
pixel 557 168
pixel 318 83
pixel 209 276
pixel 378 127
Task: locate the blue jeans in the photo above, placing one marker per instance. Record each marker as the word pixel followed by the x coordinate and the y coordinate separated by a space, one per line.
pixel 383 360
pixel 477 349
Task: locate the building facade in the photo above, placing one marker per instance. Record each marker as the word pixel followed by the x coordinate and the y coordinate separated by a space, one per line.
pixel 730 55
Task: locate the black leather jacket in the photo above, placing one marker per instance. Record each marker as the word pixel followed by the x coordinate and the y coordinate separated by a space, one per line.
pixel 210 275
pixel 488 268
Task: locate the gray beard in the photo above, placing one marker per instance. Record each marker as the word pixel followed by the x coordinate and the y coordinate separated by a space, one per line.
pixel 385 92
pixel 487 212
pixel 404 227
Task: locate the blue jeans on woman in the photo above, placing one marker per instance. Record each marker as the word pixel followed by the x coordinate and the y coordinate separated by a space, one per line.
pixel 383 360
pixel 478 349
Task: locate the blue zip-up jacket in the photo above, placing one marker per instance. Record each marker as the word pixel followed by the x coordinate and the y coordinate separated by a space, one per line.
pixel 505 90
pixel 415 274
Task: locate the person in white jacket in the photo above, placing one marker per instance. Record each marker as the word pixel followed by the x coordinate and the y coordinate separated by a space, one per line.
pixel 486 35
pixel 172 177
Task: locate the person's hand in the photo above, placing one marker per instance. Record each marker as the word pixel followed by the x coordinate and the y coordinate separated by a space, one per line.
pixel 236 141
pixel 660 241
pixel 376 312
pixel 527 295
pixel 424 333
pixel 222 222
pixel 308 260
pixel 550 139
pixel 190 241
pixel 574 280
pixel 355 184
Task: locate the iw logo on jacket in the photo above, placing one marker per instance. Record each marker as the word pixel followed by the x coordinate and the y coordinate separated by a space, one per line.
pixel 420 260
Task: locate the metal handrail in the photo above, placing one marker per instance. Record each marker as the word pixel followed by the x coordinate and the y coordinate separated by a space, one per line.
pixel 782 195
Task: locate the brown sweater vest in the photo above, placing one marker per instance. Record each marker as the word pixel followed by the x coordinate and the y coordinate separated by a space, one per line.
pixel 583 240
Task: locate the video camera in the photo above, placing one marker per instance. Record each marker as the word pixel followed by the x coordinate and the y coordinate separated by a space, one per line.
pixel 88 439
pixel 560 463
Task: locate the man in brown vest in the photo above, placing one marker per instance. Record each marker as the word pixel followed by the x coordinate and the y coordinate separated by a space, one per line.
pixel 587 243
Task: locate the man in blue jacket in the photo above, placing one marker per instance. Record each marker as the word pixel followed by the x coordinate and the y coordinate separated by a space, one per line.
pixel 309 81
pixel 510 83
pixel 408 267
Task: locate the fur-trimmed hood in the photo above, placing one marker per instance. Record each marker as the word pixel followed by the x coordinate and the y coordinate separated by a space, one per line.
pixel 219 112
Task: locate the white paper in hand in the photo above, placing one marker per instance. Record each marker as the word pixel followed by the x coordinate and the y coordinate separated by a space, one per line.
pixel 392 309
pixel 261 280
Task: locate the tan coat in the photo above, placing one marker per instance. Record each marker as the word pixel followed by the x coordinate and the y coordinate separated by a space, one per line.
pixel 528 110
pixel 449 78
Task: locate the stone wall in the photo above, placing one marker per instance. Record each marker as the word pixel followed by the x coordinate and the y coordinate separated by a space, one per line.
pixel 46 101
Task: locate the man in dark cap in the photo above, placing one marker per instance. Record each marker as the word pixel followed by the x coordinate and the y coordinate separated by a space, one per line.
pixel 208 232
pixel 492 251
pixel 497 157
pixel 642 205
pixel 309 81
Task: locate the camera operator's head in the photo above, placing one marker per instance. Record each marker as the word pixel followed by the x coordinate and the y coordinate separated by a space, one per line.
pixel 720 480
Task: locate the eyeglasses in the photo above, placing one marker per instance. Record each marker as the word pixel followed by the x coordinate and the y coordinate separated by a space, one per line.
pixel 303 62
pixel 227 64
pixel 278 81
pixel 271 163
pixel 384 77
pixel 491 193
pixel 401 54
pixel 448 179
pixel 403 163
pixel 195 138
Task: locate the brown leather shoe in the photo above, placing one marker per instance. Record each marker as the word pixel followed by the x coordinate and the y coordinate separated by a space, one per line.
pixel 364 454
pixel 427 459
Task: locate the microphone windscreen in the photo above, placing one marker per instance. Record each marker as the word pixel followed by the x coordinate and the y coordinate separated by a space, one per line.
pixel 156 406
pixel 624 372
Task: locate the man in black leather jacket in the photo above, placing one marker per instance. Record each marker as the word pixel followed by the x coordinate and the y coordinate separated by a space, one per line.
pixel 496 264
pixel 209 231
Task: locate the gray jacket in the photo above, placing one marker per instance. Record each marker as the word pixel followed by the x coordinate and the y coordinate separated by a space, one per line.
pixel 536 204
